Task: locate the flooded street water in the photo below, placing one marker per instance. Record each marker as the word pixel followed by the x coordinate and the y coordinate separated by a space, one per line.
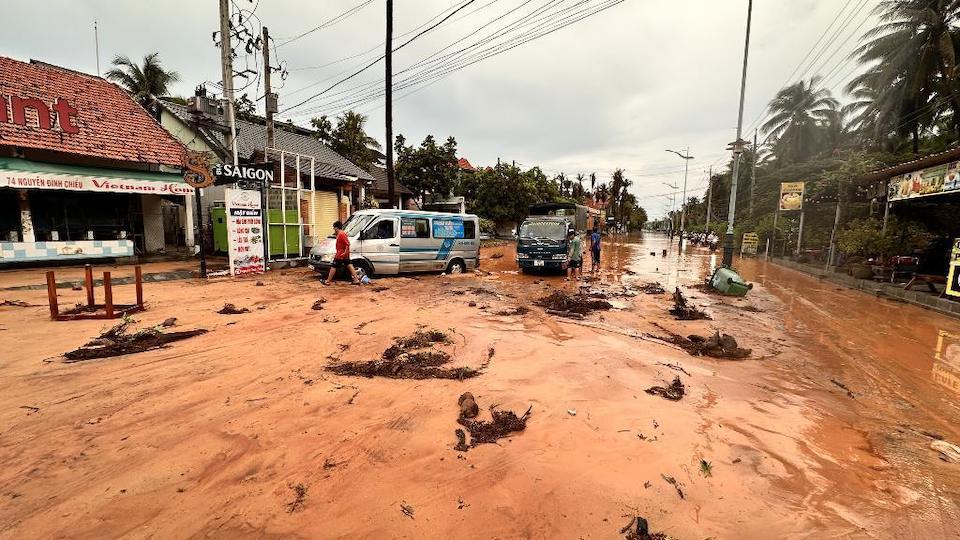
pixel 823 432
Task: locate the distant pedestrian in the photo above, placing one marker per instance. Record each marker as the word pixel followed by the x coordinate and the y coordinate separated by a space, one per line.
pixel 575 266
pixel 595 250
pixel 342 258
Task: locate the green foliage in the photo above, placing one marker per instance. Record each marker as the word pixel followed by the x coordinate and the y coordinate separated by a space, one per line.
pixel 864 237
pixel 488 227
pixel 430 169
pixel 503 194
pixel 803 119
pixel 146 81
pixel 246 109
pixel 349 138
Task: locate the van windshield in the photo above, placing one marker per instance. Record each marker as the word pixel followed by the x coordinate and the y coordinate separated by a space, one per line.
pixel 538 229
pixel 357 223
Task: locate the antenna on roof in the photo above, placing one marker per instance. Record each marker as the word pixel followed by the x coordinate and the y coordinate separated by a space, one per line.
pixel 96 41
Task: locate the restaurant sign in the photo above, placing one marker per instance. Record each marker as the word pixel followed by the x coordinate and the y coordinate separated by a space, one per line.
pixel 245 230
pixel 925 182
pixel 40 180
pixel 791 196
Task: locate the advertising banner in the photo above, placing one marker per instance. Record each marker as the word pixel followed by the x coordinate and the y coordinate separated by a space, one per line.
pixel 953 277
pixel 245 230
pixel 749 244
pixel 791 195
pixel 34 180
pixel 925 182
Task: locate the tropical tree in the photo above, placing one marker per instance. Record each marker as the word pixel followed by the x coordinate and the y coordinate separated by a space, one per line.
pixel 349 138
pixel 147 81
pixel 912 56
pixel 429 169
pixel 799 115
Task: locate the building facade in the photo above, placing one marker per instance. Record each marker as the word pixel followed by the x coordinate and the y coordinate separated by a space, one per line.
pixel 84 169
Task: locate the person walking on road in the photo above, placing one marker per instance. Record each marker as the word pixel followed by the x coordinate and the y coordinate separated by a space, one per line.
pixel 575 266
pixel 342 258
pixel 595 250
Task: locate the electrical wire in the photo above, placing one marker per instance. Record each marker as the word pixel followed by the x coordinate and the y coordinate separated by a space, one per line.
pixel 330 22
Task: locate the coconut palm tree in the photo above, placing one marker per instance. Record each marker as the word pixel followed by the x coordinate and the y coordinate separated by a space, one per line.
pixel 913 51
pixel 878 116
pixel 798 115
pixel 147 81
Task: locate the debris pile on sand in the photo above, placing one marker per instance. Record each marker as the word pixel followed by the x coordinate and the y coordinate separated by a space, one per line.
pixel 230 309
pixel 652 288
pixel 684 310
pixel 410 357
pixel 503 424
pixel 318 304
pixel 574 306
pixel 14 303
pixel 639 529
pixel 115 341
pixel 717 346
pixel 299 498
pixel 673 392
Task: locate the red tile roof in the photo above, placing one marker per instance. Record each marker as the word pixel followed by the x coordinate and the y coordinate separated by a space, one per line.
pixel 110 124
pixel 465 165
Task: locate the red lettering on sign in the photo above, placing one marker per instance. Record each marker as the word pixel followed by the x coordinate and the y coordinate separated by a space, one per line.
pixel 19 107
pixel 18 113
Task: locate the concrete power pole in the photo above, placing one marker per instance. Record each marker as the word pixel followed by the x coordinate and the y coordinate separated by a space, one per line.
pixel 709 198
pixel 388 109
pixel 226 63
pixel 271 98
pixel 737 148
pixel 753 172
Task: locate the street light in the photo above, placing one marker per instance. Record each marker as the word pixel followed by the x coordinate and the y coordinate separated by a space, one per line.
pixel 673 204
pixel 683 201
pixel 737 147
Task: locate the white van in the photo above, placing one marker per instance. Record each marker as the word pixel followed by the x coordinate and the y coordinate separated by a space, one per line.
pixel 395 241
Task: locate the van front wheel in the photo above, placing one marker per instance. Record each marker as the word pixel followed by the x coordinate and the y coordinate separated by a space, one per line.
pixel 456 266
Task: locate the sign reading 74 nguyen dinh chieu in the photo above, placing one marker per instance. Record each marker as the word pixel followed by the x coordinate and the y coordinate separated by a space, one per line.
pixel 926 182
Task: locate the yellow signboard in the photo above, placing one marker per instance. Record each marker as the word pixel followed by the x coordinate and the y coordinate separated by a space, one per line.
pixel 791 195
pixel 953 278
pixel 749 243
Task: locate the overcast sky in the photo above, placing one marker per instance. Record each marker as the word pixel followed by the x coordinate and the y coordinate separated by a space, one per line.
pixel 613 90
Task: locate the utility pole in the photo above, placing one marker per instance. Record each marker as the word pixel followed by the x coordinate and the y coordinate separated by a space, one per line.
pixel 271 99
pixel 388 109
pixel 753 172
pixel 226 63
pixel 709 198
pixel 737 148
pixel 683 202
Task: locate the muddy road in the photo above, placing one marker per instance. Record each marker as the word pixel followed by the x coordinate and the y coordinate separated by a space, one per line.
pixel 245 432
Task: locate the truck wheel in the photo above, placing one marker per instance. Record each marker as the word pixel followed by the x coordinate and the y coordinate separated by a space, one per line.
pixel 363 269
pixel 456 266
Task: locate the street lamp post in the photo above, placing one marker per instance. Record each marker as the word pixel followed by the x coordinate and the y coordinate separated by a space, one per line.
pixel 737 146
pixel 683 201
pixel 673 204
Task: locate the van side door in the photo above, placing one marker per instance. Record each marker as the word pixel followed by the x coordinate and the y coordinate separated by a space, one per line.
pixel 380 245
pixel 418 250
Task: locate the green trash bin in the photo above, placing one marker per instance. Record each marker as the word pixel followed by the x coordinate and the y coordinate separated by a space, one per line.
pixel 728 282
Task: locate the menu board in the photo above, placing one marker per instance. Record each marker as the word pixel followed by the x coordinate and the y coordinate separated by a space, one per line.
pixel 245 230
pixel 791 196
pixel 925 182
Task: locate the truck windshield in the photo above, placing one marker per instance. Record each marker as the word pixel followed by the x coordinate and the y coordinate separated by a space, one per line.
pixel 551 230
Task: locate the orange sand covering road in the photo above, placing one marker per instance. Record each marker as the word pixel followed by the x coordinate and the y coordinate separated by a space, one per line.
pixel 207 438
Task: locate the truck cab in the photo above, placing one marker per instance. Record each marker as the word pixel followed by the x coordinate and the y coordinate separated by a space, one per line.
pixel 543 244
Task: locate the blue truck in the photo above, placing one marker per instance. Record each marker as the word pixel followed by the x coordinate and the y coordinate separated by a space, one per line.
pixel 543 239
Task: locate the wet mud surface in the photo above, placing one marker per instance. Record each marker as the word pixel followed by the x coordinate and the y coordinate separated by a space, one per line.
pixel 243 432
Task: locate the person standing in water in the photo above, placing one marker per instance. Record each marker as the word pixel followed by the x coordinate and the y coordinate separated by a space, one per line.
pixel 575 266
pixel 595 250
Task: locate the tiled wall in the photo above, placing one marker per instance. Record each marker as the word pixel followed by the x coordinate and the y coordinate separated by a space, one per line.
pixel 82 249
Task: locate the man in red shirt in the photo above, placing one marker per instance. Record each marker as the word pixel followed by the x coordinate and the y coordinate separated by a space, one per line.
pixel 342 258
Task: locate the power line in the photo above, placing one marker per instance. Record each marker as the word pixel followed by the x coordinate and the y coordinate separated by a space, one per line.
pixel 381 57
pixel 330 22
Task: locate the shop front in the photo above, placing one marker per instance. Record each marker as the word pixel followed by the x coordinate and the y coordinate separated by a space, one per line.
pixel 85 171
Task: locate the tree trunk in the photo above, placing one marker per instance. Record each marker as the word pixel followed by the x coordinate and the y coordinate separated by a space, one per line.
pixel 916 138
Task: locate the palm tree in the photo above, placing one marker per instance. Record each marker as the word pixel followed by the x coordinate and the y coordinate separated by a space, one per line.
pixel 913 54
pixel 146 82
pixel 798 114
pixel 350 140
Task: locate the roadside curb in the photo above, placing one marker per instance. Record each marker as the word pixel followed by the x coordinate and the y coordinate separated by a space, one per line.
pixel 943 306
